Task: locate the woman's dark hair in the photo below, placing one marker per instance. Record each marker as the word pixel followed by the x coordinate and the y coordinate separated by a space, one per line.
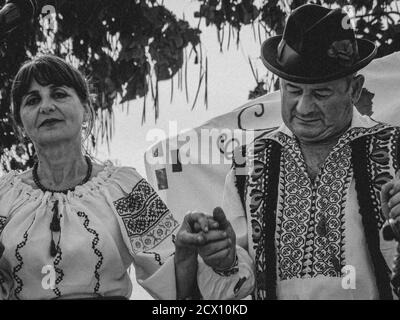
pixel 45 70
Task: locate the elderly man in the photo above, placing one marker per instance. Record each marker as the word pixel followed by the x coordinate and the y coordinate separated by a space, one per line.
pixel 311 208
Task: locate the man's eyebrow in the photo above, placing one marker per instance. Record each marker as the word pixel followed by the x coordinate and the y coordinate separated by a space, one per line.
pixel 323 89
pixel 292 85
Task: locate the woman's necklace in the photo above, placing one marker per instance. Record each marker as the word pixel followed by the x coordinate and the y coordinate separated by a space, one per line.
pixel 55 221
pixel 65 191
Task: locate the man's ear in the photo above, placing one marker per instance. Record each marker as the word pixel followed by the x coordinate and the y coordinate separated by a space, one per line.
pixel 356 87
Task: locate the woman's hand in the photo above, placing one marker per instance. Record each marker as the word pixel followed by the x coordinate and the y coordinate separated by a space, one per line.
pixel 211 237
pixel 190 236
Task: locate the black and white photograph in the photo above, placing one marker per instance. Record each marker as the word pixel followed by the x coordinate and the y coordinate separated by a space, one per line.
pixel 205 152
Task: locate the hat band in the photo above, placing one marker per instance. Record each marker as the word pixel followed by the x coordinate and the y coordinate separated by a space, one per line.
pixel 287 57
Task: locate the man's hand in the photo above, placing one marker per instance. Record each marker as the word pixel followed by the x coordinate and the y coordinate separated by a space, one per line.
pixel 190 236
pixel 390 202
pixel 219 248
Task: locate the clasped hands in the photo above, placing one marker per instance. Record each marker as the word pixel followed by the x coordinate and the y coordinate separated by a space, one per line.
pixel 211 237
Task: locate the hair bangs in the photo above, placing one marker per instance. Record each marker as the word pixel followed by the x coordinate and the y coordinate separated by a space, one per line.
pixel 46 70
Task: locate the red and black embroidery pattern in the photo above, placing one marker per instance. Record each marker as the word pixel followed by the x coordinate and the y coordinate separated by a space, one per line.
pixel 146 218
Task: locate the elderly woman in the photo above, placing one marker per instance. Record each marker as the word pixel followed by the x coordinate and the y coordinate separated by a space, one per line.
pixel 71 227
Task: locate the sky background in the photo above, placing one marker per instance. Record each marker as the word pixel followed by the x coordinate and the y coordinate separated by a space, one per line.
pixel 229 81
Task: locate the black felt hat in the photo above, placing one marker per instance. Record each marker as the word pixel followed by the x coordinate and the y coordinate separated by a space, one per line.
pixel 317 45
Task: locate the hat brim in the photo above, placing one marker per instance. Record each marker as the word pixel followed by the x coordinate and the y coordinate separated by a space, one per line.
pixel 366 49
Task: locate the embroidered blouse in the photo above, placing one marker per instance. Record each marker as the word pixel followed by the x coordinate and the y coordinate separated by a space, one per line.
pixel 114 220
pixel 312 237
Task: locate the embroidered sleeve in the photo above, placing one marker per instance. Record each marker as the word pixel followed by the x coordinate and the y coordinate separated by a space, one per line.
pixel 148 229
pixel 5 198
pixel 146 218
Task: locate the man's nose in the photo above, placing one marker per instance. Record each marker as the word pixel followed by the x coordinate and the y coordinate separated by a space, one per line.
pixel 305 104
